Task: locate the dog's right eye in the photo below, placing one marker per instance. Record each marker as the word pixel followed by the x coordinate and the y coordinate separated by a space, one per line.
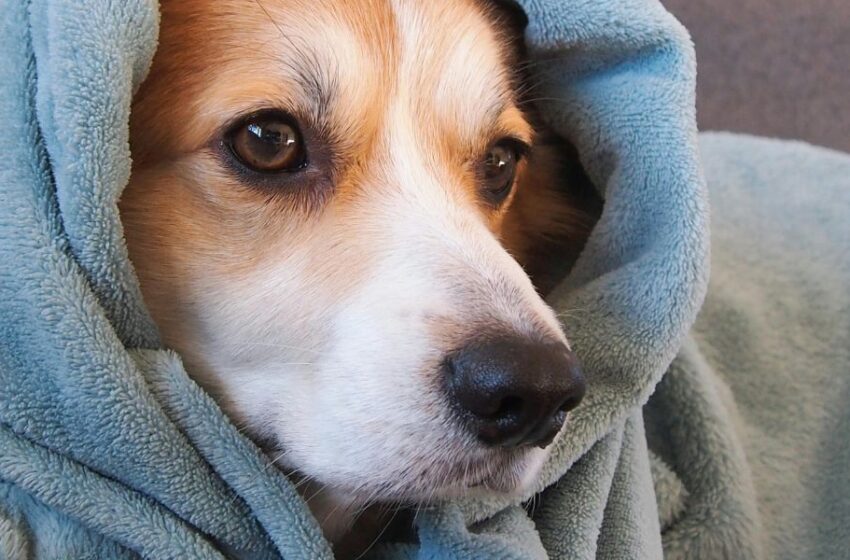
pixel 268 142
pixel 499 167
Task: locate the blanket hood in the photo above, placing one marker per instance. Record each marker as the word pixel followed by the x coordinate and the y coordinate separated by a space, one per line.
pixel 110 450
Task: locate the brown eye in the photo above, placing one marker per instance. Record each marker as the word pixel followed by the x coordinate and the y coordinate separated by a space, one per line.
pixel 499 168
pixel 268 143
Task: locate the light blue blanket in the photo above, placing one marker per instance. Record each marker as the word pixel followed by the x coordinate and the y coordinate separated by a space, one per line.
pixel 108 449
pixel 754 415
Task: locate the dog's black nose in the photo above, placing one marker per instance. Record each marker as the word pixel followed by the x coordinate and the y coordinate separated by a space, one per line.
pixel 513 391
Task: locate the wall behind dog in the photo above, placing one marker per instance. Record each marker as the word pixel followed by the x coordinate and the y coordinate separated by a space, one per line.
pixel 772 67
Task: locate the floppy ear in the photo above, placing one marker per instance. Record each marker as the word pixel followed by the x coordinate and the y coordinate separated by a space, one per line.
pixel 556 206
pixel 552 214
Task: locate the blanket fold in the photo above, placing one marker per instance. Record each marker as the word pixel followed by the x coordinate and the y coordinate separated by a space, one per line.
pixel 109 450
pixel 753 415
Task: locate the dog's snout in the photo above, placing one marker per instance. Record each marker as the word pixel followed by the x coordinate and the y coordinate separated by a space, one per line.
pixel 513 391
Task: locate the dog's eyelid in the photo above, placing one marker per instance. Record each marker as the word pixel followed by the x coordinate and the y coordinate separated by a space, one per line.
pixel 523 147
pixel 242 117
pixel 519 145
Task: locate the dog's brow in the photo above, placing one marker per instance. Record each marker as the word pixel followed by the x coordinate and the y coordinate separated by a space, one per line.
pixel 497 108
pixel 271 19
pixel 307 68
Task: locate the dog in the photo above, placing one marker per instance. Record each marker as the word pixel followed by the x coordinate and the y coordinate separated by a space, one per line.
pixel 341 215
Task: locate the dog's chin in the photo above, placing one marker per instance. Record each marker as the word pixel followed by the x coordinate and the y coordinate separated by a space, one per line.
pixel 511 474
pixel 515 477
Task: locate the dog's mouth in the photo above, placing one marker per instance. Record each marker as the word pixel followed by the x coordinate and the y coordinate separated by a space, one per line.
pixel 509 474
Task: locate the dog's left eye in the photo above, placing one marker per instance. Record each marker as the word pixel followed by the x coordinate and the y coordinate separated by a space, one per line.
pixel 269 142
pixel 498 169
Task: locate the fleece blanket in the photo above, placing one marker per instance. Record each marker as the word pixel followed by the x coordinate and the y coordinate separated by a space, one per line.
pixel 109 450
pixel 751 422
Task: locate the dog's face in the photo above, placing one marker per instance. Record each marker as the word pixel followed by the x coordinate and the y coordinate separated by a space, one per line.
pixel 317 210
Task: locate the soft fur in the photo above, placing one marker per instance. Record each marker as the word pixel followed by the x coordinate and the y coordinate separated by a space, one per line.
pixel 319 317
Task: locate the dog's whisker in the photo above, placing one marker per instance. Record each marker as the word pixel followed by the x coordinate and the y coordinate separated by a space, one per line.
pixel 241 427
pixel 291 473
pixel 571 313
pixel 321 489
pixel 378 538
pixel 331 513
pixel 272 345
pixel 358 513
pixel 278 457
pixel 306 480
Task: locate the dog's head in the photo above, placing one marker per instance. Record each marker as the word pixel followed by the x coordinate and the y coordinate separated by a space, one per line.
pixel 321 198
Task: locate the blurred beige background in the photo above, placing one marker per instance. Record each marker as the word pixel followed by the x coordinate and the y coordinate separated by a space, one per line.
pixel 772 67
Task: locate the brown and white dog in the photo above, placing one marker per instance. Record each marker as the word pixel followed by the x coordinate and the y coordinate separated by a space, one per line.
pixel 328 209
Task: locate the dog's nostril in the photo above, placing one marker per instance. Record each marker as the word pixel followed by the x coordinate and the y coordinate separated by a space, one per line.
pixel 508 407
pixel 514 391
pixel 570 403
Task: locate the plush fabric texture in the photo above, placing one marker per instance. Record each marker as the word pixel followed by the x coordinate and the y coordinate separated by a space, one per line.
pixel 753 416
pixel 109 450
